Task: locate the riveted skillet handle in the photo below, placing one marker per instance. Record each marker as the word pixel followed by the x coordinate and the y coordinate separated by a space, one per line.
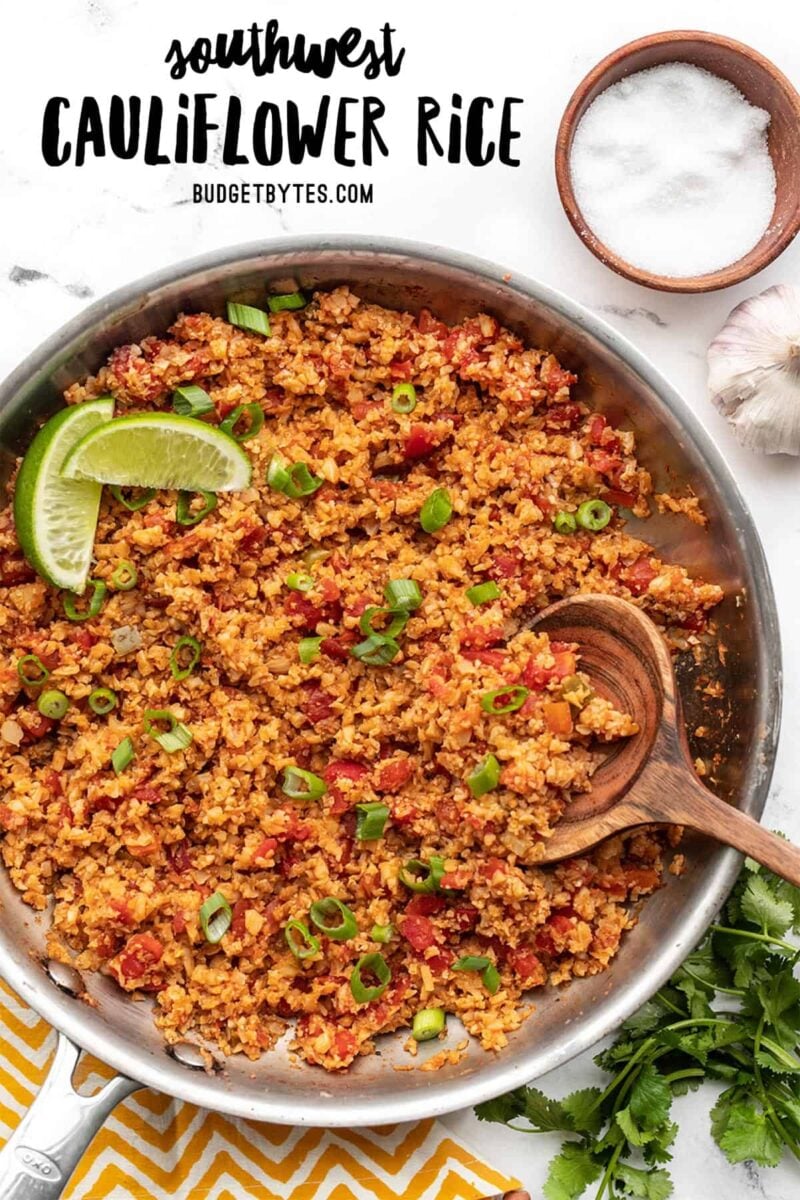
pixel 45 1149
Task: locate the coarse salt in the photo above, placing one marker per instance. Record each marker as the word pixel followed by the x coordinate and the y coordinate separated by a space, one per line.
pixel 671 170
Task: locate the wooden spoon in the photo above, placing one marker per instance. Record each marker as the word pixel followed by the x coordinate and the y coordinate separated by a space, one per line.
pixel 648 778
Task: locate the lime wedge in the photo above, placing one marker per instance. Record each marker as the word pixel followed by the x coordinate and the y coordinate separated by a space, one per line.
pixel 55 517
pixel 160 450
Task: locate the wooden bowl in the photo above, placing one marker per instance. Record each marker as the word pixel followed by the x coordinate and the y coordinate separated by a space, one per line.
pixel 760 82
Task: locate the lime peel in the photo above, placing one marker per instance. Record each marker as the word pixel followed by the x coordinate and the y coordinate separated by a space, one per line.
pixel 56 518
pixel 160 450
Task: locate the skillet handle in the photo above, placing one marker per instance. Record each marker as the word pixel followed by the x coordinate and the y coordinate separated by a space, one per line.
pixel 45 1148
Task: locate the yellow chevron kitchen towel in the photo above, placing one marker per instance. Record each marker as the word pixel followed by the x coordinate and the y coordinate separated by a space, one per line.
pixel 154 1148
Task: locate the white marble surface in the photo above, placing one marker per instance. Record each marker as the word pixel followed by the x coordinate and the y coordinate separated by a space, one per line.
pixel 69 235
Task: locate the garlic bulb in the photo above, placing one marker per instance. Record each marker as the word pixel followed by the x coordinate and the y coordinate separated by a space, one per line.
pixel 754 371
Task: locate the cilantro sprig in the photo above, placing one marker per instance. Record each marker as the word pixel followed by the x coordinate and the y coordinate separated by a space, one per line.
pixel 731 1013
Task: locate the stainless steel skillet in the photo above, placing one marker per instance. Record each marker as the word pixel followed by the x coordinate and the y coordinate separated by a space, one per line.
pixel 745 724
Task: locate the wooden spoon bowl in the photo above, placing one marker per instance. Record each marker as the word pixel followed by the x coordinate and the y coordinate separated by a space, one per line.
pixel 759 81
pixel 647 778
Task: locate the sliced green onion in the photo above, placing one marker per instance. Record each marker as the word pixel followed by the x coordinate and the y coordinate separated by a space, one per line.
pixel 136 499
pixel 255 422
pixel 288 302
pixel 404 594
pixel 102 700
pixel 392 630
pixel 294 480
pixel 485 777
pixel 371 818
pixel 322 912
pixel 53 704
pixel 483 593
pixel 472 962
pixel 382 933
pixel 125 576
pixel 177 737
pixel 98 595
pixel 491 978
pixel 308 649
pixel 180 664
pixel 372 964
pixel 123 756
pixel 186 515
pixel 300 940
pixel 404 398
pixel 299 582
pixel 302 785
pixel 436 511
pixel 564 522
pixel 504 699
pixel 594 515
pixel 215 918
pixel 422 877
pixel 427 1024
pixel 244 316
pixel 377 651
pixel 301 481
pixel 191 401
pixel 32 671
pixel 314 555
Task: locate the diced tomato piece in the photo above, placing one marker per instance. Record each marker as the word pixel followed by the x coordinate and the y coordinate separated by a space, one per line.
pixel 619 498
pixel 178 856
pixel 394 775
pixel 561 924
pixel 52 781
pixel 595 428
pixel 238 913
pixel 543 502
pixel 123 911
pixel 147 794
pixel 330 589
pixel 344 768
pixel 695 622
pixel 346 1044
pixel 108 804
pixel 14 569
pixel 492 867
pixel 297 831
pixel 83 638
pixel 427 323
pixel 562 417
pixel 440 962
pixel 524 962
pixel 543 941
pixel 603 462
pixel 317 704
pixel 252 540
pixel 339 647
pixel 506 564
pixel 401 370
pixel 558 378
pixel 178 924
pixel 639 575
pixel 265 848
pixel 465 916
pixel 405 815
pixel 358 606
pixel 420 442
pixel 535 676
pixel 558 717
pixel 423 905
pixel 479 636
pixel 490 658
pixel 418 932
pixel 311 614
pixel 142 951
pixel 455 881
pixel 35 725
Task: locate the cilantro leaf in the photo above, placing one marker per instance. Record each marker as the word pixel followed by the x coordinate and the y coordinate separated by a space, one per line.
pixel 764 908
pixel 651 1098
pixel 503 1108
pixel 544 1113
pixel 571 1172
pixel 644 1185
pixel 748 1135
pixel 583 1110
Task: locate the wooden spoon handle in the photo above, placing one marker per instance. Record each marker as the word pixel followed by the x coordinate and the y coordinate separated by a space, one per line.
pixel 700 809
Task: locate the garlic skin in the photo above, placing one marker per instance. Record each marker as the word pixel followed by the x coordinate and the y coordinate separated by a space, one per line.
pixel 754 371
